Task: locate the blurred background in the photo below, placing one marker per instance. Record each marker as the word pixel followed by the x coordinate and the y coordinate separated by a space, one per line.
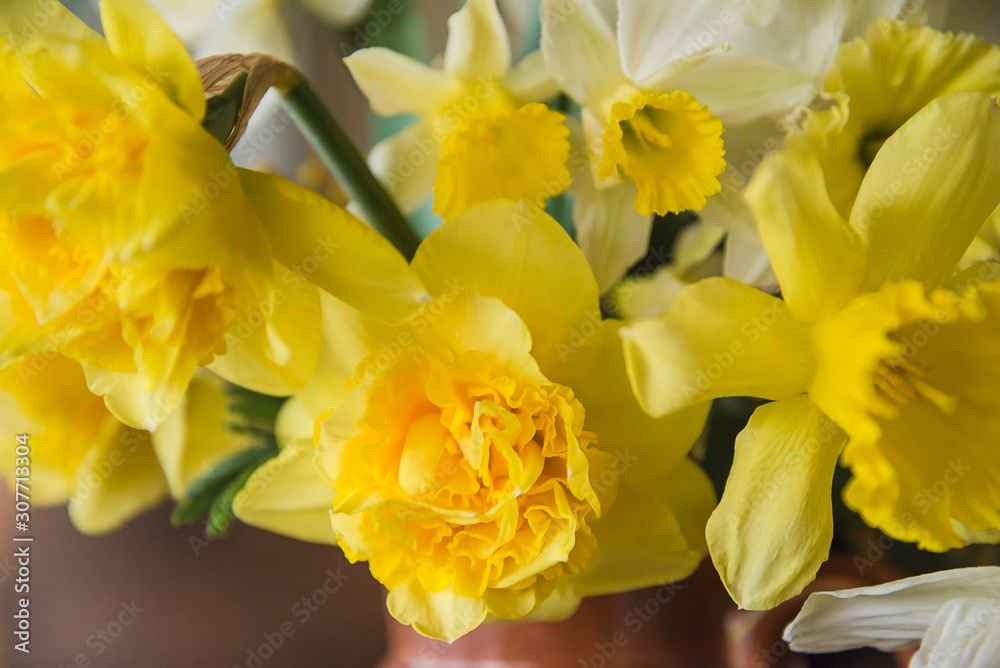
pixel 152 596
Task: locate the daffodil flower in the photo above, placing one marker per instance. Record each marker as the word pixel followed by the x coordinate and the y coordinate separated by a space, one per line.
pixel 954 617
pixel 487 458
pixel 132 242
pixel 655 96
pixel 482 133
pixel 877 81
pixel 875 354
pixel 81 455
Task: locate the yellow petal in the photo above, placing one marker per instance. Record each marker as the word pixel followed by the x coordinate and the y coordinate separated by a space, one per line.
pixel 524 152
pixel 649 448
pixel 530 264
pixel 273 347
pixel 404 163
pixel 22 20
pixel 195 437
pixel 397 84
pixel 331 248
pixel 440 615
pixel 817 256
pixel 478 46
pixel 670 145
pixel 640 542
pixel 942 165
pixel 118 479
pixel 720 338
pixel 774 524
pixel 137 34
pixel 131 400
pixel 287 496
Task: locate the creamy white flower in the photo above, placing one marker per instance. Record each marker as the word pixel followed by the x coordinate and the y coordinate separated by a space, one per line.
pixel 954 617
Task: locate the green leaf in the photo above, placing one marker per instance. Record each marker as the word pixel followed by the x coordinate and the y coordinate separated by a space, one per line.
pixel 205 489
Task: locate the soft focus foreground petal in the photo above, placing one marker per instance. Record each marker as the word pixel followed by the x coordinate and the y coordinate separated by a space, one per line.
pixel 530 264
pixel 131 400
pixel 331 248
pixel 478 46
pixel 721 338
pixel 287 496
pixel 817 256
pixel 195 437
pixel 641 541
pixel 943 165
pixel 890 616
pixel 440 615
pixel 965 634
pixel 773 527
pixel 530 80
pixel 655 35
pixel 136 33
pixel 404 163
pixel 133 486
pixel 272 348
pixel 18 22
pixel 397 84
pixel 743 88
pixel 580 50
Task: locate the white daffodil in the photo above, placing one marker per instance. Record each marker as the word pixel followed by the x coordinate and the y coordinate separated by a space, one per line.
pixel 481 133
pixel 954 617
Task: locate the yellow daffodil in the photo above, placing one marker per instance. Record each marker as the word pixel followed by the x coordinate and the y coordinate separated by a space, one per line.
pixel 482 133
pixel 132 242
pixel 877 81
pixel 875 354
pixel 487 456
pixel 656 96
pixel 81 455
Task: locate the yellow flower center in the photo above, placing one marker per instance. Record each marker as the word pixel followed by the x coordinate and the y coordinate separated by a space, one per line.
pixel 500 151
pixel 670 145
pixel 464 473
pixel 903 381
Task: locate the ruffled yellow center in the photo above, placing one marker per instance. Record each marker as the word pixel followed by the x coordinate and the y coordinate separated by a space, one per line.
pixel 670 145
pixel 877 84
pixel 465 474
pixel 500 151
pixel 912 378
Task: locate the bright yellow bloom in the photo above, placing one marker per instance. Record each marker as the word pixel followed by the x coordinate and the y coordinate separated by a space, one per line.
pixel 487 458
pixel 81 455
pixel 482 133
pixel 877 354
pixel 132 243
pixel 877 84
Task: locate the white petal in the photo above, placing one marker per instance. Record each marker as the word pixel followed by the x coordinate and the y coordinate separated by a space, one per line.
pixel 888 617
pixel 397 84
pixel 612 234
pixel 654 35
pixel 741 88
pixel 965 634
pixel 580 50
pixel 530 80
pixel 404 163
pixel 478 46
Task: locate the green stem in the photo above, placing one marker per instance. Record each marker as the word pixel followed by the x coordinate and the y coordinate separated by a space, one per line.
pixel 347 165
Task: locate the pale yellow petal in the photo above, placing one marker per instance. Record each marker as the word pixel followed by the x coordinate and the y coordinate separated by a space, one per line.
pixel 478 46
pixel 397 84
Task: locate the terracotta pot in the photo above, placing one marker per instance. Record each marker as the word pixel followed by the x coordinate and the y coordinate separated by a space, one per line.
pixel 678 625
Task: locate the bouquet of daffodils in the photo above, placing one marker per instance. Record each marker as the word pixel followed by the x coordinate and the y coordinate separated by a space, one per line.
pixel 475 372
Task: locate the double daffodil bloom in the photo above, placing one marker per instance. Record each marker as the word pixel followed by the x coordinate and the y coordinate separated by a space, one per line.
pixel 487 458
pixel 82 456
pixel 876 354
pixel 482 132
pixel 954 617
pixel 656 96
pixel 132 242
